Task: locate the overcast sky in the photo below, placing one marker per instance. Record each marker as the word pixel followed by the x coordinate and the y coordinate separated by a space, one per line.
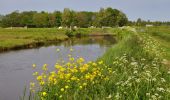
pixel 145 9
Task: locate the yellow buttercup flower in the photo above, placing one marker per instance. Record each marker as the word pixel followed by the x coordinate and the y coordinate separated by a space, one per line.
pixel 44 93
pixel 80 87
pixel 66 86
pixel 33 65
pixel 35 74
pixel 60 96
pixel 45 67
pixel 57 50
pixel 94 64
pixel 71 59
pixel 84 84
pixel 32 84
pixel 100 62
pixel 39 78
pixel 42 83
pixel 62 89
pixel 80 60
pixel 71 49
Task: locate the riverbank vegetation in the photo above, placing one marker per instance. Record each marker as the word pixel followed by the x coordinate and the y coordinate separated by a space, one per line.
pixel 34 37
pixel 162 35
pixel 27 38
pixel 132 69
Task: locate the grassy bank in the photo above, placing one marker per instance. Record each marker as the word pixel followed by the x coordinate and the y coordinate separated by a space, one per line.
pixel 25 38
pixel 132 69
pixel 162 35
pixel 33 37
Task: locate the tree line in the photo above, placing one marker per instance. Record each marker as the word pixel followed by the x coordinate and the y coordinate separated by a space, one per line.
pixel 107 17
pixel 141 22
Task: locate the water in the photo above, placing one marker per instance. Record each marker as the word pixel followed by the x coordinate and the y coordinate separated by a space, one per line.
pixel 16 66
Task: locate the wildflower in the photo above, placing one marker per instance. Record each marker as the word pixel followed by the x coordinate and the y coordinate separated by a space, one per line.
pixel 94 64
pixel 168 72
pixel 110 96
pixel 87 76
pixel 39 78
pixel 168 90
pixel 42 83
pixel 71 59
pixel 74 78
pixel 163 80
pixel 33 65
pixel 134 63
pixel 100 62
pixel 117 96
pixel 69 55
pixel 44 93
pixel 66 86
pixel 147 94
pixel 60 96
pixel 84 84
pixel 35 74
pixel 44 67
pixel 32 84
pixel 135 72
pixel 161 89
pixel 57 50
pixel 62 89
pixel 71 49
pixel 57 66
pixel 80 87
pixel 154 79
pixel 80 60
pixel 67 76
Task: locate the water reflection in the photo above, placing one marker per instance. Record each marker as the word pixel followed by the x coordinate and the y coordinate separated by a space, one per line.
pixel 15 66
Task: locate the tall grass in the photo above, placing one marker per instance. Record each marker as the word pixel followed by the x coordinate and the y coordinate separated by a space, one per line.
pixel 161 34
pixel 130 70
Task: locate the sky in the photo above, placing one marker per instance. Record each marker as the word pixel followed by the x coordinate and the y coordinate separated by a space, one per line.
pixel 154 10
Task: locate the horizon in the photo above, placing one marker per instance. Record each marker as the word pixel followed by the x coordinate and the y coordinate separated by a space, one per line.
pixel 153 10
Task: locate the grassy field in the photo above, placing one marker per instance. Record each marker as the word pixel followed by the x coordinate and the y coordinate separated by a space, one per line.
pixel 161 34
pixel 13 38
pixel 133 69
pixel 31 37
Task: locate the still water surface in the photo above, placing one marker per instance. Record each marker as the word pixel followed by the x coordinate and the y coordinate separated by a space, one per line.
pixel 16 66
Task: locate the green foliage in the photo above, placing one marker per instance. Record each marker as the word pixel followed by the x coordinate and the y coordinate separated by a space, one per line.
pixel 40 19
pixel 110 17
pixel 67 18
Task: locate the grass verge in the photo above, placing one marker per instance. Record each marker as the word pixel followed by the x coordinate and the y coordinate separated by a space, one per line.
pixel 132 69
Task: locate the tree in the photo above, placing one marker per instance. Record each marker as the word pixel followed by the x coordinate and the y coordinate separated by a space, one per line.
pixel 110 17
pixel 27 18
pixel 58 16
pixel 51 20
pixel 123 20
pixel 104 17
pixel 11 19
pixel 1 17
pixel 40 19
pixel 68 18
